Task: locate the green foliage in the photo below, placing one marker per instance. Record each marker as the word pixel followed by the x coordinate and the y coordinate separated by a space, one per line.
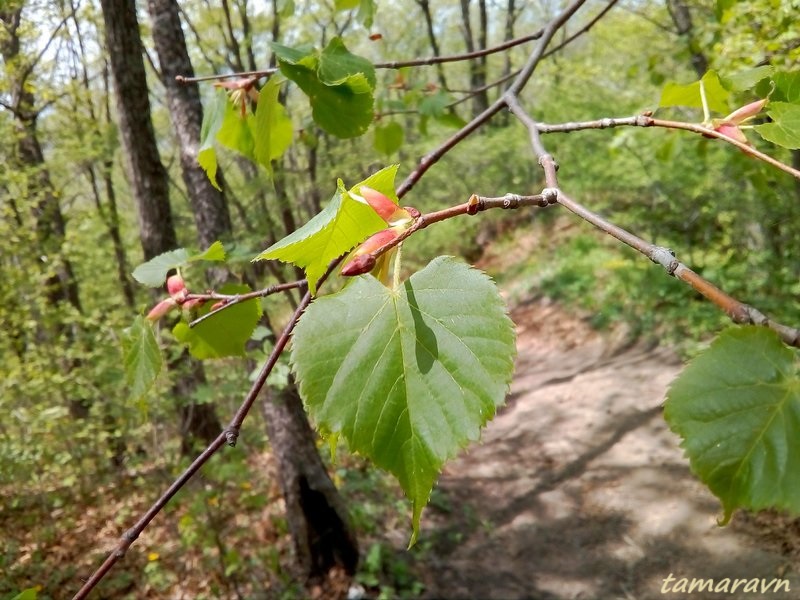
pixel 343 224
pixel 737 408
pixel 142 357
pixel 153 273
pixel 689 95
pixel 212 123
pixel 440 350
pixel 224 334
pixel 29 594
pixel 784 130
pixel 272 131
pixel 339 85
pixel 388 138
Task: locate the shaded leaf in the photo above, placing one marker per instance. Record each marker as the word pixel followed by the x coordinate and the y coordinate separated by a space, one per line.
pixel 747 79
pixel 787 86
pixel 366 13
pixel 785 127
pixel 737 408
pixel 224 334
pixel 407 376
pixel 342 224
pixel 388 138
pixel 236 132
pixel 153 273
pixel 337 63
pixel 142 357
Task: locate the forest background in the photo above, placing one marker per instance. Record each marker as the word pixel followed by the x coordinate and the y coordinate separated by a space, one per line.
pixel 77 450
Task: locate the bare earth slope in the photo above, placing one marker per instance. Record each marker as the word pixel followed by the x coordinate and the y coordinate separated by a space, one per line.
pixel 579 490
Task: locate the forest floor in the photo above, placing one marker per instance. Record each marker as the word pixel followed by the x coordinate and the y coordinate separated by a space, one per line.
pixel 578 489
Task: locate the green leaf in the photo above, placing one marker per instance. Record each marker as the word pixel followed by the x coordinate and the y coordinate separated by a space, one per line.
pixel 341 225
pixel 337 63
pixel 214 253
pixel 434 105
pixel 787 86
pixel 153 273
pixel 747 79
pixel 366 13
pixel 388 138
pixel 285 8
pixel 737 408
pixel 142 357
pixel 338 84
pixel 272 128
pixel 29 594
pixel 345 4
pixel 236 131
pixel 212 122
pixel 674 94
pixel 407 376
pixel 785 127
pixel 224 334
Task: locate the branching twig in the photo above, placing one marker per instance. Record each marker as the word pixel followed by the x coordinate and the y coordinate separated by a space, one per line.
pixel 648 121
pixel 232 300
pixel 739 312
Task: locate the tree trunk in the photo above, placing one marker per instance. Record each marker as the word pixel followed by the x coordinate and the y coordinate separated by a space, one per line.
pixel 150 188
pixel 432 39
pixel 679 11
pixel 208 204
pixel 324 542
pixel 477 67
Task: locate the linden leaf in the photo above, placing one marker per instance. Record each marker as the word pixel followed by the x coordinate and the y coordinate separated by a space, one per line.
pixel 342 224
pixel 737 408
pixel 407 376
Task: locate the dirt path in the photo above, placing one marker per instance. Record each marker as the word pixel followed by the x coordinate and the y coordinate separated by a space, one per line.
pixel 579 490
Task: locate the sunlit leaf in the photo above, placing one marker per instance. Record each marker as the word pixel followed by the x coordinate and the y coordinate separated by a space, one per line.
pixel 737 408
pixel 236 131
pixel 142 357
pixel 675 94
pixel 272 128
pixel 407 376
pixel 341 225
pixel 212 122
pixel 153 273
pixel 747 79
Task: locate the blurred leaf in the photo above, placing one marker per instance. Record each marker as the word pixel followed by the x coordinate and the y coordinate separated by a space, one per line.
pixel 366 13
pixel 345 4
pixel 787 86
pixel 388 138
pixel 747 79
pixel 272 131
pixel 675 94
pixel 214 253
pixel 338 84
pixel 737 408
pixel 340 226
pixel 29 594
pixel 142 357
pixel 285 8
pixel 408 376
pixel 785 127
pixel 236 132
pixel 224 334
pixel 212 122
pixel 434 105
pixel 153 273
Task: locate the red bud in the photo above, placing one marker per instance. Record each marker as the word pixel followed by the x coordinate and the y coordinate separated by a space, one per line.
pixel 359 265
pixel 190 304
pixel 217 305
pixel 176 287
pixel 745 112
pixel 160 309
pixel 732 131
pixel 383 205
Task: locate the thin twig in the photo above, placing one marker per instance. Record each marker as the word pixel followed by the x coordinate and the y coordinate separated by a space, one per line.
pixel 648 121
pixel 234 299
pixel 525 74
pixel 739 312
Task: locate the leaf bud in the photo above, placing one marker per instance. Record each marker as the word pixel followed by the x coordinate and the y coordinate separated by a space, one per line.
pixel 176 287
pixel 383 205
pixel 160 309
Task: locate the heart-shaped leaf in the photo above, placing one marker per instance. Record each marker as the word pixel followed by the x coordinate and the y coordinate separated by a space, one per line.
pixel 407 376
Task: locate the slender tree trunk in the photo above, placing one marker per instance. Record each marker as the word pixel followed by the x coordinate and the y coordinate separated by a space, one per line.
pixel 679 11
pixel 432 39
pixel 324 542
pixel 150 188
pixel 477 67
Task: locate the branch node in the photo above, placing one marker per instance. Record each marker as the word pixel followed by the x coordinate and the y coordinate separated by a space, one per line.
pixel 231 435
pixel 545 159
pixel 474 205
pixel 664 257
pixel 549 196
pixel 511 200
pixel 129 536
